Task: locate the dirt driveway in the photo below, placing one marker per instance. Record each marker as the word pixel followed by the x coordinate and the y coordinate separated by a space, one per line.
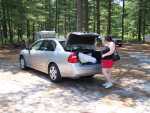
pixel 31 91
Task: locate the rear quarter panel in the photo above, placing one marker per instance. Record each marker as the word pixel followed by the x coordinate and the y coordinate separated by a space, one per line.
pixel 61 60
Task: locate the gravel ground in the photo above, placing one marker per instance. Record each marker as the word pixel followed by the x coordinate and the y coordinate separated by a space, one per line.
pixel 31 91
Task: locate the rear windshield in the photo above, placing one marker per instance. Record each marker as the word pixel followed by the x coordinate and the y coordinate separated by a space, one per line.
pixel 88 40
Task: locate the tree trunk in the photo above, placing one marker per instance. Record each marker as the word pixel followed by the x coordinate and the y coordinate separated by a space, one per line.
pixel 65 26
pixel 41 26
pixel 94 17
pixel 56 18
pixel 79 15
pixel 140 20
pixel 144 22
pixel 98 15
pixel 58 24
pixel 144 19
pixel 109 17
pixel 10 25
pixel 4 22
pixel 20 33
pixel 65 18
pixel 69 24
pixel 50 18
pixel 18 30
pixel 85 16
pixel 1 34
pixel 33 32
pixel 123 16
pixel 28 29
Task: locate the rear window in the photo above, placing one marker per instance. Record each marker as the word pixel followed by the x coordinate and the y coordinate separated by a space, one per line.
pixel 83 39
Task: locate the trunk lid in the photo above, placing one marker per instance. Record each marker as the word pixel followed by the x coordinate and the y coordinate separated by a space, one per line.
pixel 77 40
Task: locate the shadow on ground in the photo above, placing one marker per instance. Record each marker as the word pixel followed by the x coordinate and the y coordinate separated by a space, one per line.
pixel 35 87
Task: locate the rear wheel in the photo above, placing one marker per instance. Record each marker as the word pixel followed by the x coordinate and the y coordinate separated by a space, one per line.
pixel 54 73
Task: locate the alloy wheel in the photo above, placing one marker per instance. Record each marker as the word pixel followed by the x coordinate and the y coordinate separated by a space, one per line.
pixel 53 72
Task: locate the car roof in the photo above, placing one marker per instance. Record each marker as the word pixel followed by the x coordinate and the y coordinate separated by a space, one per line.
pixel 84 33
pixel 55 39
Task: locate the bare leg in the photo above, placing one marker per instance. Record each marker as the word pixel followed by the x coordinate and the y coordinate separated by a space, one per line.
pixel 110 75
pixel 107 74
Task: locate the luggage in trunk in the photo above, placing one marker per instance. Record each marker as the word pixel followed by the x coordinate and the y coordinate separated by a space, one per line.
pixel 94 54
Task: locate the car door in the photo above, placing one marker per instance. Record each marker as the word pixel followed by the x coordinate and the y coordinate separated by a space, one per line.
pixel 47 54
pixel 34 54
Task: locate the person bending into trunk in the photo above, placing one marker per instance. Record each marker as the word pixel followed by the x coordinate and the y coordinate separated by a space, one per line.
pixel 107 60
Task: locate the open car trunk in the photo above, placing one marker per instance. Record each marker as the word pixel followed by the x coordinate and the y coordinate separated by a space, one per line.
pixel 83 43
pixel 93 53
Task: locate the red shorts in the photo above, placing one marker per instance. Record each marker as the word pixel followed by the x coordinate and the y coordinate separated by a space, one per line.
pixel 107 63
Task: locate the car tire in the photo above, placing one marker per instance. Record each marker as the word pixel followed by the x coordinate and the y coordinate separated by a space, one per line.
pixel 54 73
pixel 22 63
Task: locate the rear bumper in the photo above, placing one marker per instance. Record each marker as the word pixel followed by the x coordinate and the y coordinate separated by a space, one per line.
pixel 79 70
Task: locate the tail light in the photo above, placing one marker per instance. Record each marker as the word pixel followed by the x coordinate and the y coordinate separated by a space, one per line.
pixel 73 58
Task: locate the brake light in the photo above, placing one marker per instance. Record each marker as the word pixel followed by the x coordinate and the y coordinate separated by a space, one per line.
pixel 73 58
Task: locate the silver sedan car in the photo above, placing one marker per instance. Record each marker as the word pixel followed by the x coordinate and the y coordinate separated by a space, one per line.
pixel 59 57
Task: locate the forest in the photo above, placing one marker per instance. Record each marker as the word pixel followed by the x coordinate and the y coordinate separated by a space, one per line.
pixel 127 19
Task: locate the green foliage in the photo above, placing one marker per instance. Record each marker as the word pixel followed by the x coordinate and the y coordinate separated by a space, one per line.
pixel 21 18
